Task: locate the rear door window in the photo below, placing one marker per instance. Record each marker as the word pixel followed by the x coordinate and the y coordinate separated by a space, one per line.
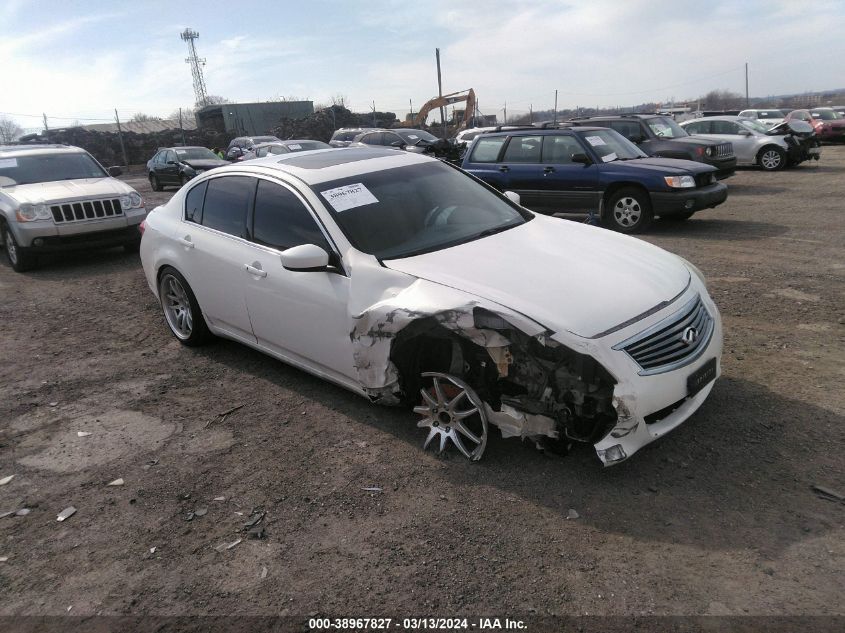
pixel 227 202
pixel 281 220
pixel 523 149
pixel 699 127
pixel 193 203
pixel 486 150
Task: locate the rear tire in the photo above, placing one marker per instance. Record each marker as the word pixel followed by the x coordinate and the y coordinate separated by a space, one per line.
pixel 181 310
pixel 771 158
pixel 21 259
pixel 155 183
pixel 629 210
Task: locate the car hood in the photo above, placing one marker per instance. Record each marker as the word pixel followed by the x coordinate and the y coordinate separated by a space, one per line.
pixel 564 275
pixel 667 166
pixel 67 190
pixel 696 139
pixel 798 128
pixel 205 163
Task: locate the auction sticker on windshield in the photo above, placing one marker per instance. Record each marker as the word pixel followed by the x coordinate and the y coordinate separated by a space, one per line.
pixel 609 157
pixel 348 197
pixel 595 141
pixel 294 146
pixel 5 163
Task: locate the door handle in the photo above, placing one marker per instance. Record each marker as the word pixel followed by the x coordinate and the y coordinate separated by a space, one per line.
pixel 504 168
pixel 548 170
pixel 252 270
pixel 185 241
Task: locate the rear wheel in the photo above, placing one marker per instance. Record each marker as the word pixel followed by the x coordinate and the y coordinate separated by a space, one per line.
pixel 182 180
pixel 20 258
pixel 155 183
pixel 181 310
pixel 629 210
pixel 771 158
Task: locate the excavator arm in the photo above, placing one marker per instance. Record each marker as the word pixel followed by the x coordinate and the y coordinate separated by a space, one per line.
pixel 446 100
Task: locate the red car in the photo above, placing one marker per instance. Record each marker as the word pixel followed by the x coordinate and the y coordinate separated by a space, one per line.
pixel 829 125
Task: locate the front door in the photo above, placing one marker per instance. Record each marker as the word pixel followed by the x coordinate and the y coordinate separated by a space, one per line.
pixel 568 186
pixel 301 316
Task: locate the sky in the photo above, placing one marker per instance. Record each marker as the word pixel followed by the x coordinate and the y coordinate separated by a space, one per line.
pixel 80 60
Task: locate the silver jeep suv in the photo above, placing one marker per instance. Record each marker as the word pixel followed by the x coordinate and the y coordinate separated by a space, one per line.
pixel 57 197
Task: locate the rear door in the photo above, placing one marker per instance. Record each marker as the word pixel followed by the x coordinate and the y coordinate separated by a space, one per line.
pixel 215 249
pixel 483 161
pixel 522 170
pixel 566 185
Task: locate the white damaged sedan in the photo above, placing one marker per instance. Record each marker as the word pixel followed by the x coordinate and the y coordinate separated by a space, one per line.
pixel 410 282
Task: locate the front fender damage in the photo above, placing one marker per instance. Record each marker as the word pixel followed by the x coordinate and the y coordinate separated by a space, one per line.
pixel 532 385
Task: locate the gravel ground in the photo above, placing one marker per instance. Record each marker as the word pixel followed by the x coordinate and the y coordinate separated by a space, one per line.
pixel 716 518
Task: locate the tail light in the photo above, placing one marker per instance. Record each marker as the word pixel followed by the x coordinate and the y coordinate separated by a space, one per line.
pixel 142 227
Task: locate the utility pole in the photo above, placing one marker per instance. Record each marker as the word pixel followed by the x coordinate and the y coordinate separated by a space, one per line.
pixel 555 115
pixel 531 113
pixel 46 129
pixel 182 129
pixel 120 136
pixel 506 112
pixel 411 113
pixel 374 114
pixel 746 86
pixel 200 92
pixel 440 91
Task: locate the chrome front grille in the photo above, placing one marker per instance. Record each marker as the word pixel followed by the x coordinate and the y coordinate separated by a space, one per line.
pixel 86 210
pixel 673 342
pixel 724 150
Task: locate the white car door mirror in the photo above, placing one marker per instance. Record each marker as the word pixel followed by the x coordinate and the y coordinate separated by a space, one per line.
pixel 513 197
pixel 305 258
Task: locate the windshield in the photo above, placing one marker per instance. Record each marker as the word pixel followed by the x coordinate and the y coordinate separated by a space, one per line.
pixel 666 128
pixel 264 139
pixel 301 146
pixel 610 145
pixel 769 114
pixel 415 137
pixel 25 170
pixel 196 153
pixel 415 209
pixel 824 115
pixel 751 124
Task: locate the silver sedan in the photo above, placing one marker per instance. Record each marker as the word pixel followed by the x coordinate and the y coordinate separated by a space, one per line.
pixel 752 142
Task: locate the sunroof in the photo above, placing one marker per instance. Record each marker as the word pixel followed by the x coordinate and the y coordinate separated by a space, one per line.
pixel 330 158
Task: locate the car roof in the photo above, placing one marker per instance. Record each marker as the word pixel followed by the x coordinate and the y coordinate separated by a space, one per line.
pixel 538 131
pixel 720 117
pixel 183 147
pixel 322 165
pixel 19 150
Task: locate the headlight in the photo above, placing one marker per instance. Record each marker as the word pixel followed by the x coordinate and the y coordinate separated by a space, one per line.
pixel 694 270
pixel 680 182
pixel 131 200
pixel 30 212
pixel 710 151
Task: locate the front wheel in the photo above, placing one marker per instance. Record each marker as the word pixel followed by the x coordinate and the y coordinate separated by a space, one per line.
pixel 771 158
pixel 20 258
pixel 181 310
pixel 629 211
pixel 155 183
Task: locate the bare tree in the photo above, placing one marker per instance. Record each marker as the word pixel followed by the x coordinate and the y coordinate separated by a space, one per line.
pixel 9 130
pixel 140 117
pixel 187 114
pixel 723 100
pixel 215 100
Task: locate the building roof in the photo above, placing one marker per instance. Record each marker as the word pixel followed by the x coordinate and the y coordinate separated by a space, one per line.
pixel 144 127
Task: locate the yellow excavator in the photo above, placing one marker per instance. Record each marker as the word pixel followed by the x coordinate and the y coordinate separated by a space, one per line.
pixel 447 100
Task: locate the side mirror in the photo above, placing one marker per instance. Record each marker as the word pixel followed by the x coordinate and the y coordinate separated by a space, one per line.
pixel 744 133
pixel 398 144
pixel 513 197
pixel 172 162
pixel 582 158
pixel 637 139
pixel 305 258
pixel 115 171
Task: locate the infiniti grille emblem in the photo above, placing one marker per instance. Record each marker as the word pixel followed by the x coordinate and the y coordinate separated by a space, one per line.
pixel 689 336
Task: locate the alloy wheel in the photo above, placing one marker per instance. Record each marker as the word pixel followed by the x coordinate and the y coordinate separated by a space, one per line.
pixel 771 159
pixel 627 211
pixel 177 307
pixel 11 247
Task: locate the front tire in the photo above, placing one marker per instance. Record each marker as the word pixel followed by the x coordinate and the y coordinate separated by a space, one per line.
pixel 21 259
pixel 629 211
pixel 155 183
pixel 771 158
pixel 181 310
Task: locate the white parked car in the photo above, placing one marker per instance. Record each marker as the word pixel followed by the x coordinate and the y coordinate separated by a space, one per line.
pixel 768 118
pixel 407 281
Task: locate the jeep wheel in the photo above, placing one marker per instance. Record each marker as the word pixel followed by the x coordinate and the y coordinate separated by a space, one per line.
pixel 629 210
pixel 155 184
pixel 20 258
pixel 771 158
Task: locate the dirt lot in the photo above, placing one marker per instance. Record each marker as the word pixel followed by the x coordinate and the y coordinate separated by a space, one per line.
pixel 716 518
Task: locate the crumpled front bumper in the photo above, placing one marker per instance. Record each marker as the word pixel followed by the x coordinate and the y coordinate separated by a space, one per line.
pixel 649 406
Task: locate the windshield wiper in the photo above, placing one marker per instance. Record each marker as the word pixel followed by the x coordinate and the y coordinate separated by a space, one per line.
pixel 494 230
